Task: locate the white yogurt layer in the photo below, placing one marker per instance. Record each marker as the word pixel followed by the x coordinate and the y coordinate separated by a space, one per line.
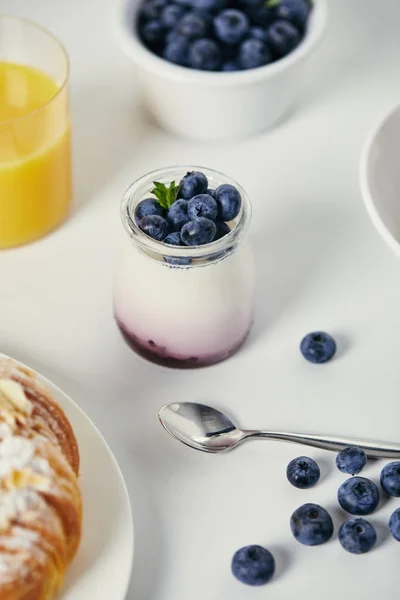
pixel 193 311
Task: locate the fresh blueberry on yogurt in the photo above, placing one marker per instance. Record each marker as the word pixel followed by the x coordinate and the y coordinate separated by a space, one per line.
pixel 199 231
pixel 202 205
pixel 229 202
pixel 358 496
pixel 192 184
pixel 351 460
pixel 311 525
pixel 253 565
pixel 303 472
pixel 357 536
pixel 390 478
pixel 154 226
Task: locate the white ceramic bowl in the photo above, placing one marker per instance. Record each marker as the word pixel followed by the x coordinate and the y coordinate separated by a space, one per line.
pixel 219 106
pixel 380 177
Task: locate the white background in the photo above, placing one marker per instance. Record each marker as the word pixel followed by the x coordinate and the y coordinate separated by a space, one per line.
pixel 320 265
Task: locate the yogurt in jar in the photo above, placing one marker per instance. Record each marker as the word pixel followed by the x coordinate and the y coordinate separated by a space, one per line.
pixel 191 311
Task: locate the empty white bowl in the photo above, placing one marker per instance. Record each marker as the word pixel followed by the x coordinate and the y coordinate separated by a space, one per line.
pixel 219 106
pixel 380 177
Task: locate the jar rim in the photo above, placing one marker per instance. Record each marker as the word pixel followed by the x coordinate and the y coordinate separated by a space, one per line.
pixel 139 188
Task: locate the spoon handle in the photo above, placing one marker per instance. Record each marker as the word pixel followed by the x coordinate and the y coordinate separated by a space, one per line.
pixel 373 449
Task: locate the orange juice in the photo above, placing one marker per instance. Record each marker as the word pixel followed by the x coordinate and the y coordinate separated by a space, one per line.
pixel 35 154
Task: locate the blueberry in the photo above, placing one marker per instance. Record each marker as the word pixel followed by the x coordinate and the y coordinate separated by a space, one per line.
pixel 318 347
pixel 209 5
pixel 231 26
pixel 394 524
pixel 147 207
pixel 229 201
pixel 351 460
pixel 177 51
pixel 253 53
pixel 192 26
pixel 154 226
pixel 202 205
pixel 253 565
pixel 177 214
pixel 247 4
pixel 358 496
pixel 174 239
pixel 311 525
pixel 205 55
pixel 303 472
pixel 171 15
pixel 151 9
pixel 210 192
pixel 261 15
pixel 283 37
pixel 259 33
pixel 295 11
pixel 357 536
pixel 198 232
pixel 152 33
pixel 222 230
pixel 230 66
pixel 390 478
pixel 193 183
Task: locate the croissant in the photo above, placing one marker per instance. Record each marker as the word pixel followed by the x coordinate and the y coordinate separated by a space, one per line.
pixel 40 499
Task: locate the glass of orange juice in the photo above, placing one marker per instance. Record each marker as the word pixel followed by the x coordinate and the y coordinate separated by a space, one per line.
pixel 35 140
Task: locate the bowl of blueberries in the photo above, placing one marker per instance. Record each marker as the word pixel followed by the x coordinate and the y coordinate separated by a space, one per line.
pixel 220 69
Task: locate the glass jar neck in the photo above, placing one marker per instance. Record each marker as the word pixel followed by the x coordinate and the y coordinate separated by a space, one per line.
pixel 193 255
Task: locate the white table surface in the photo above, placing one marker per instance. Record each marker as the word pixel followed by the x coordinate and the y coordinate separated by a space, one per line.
pixel 320 265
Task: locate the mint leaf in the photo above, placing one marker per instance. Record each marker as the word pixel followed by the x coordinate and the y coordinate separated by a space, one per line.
pixel 165 195
pixel 272 3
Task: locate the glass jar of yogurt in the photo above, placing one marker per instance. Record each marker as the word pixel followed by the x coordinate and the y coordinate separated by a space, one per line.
pixel 183 306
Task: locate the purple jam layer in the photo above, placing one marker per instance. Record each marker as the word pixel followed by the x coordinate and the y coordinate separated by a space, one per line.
pixel 160 355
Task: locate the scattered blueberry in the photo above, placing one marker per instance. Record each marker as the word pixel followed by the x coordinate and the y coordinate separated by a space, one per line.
pixel 193 183
pixel 303 472
pixel 229 201
pixel 394 524
pixel 171 14
pixel 222 230
pixel 253 53
pixel 358 496
pixel 202 205
pixel 177 51
pixel 177 214
pixel 357 536
pixel 230 65
pixel 283 37
pixel 311 525
pixel 199 231
pixel 231 26
pixel 390 478
pixel 259 33
pixel 152 32
pixel 351 460
pixel 192 26
pixel 318 347
pixel 295 11
pixel 147 207
pixel 205 55
pixel 154 226
pixel 253 565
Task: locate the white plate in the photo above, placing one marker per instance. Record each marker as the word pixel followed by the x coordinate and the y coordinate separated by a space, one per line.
pixel 102 568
